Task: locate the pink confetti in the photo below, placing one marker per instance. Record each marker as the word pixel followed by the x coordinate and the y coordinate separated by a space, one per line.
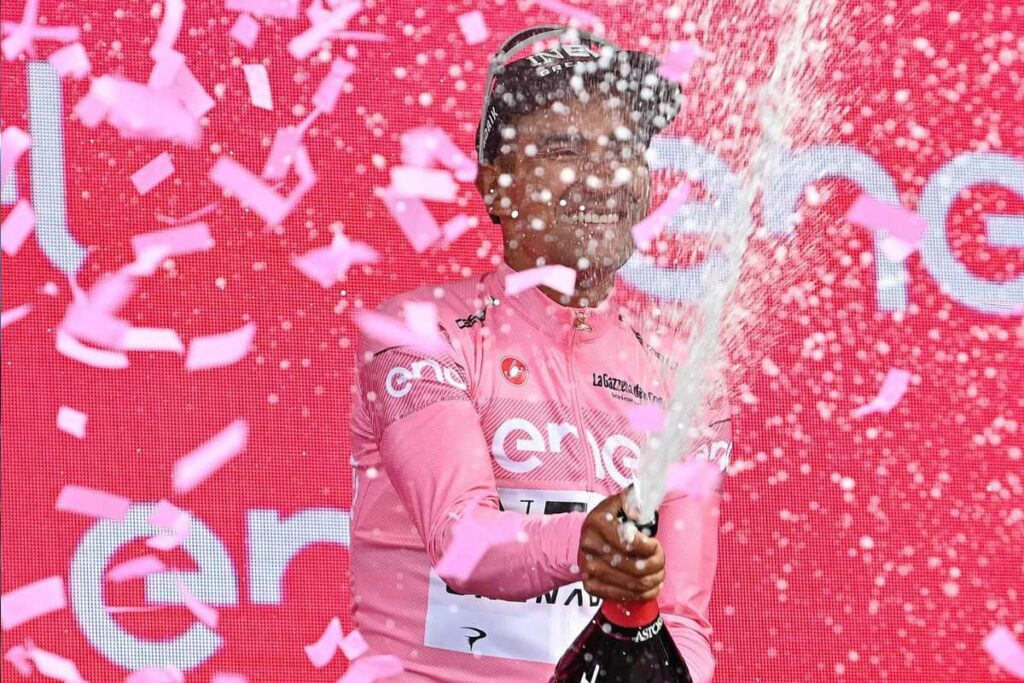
pixel 372 668
pixel 258 80
pixel 1003 648
pixel 218 350
pixel 16 228
pixel 457 226
pixel 178 522
pixel 568 10
pixel 649 228
pixel 354 645
pixel 107 360
pixel 170 27
pixel 201 611
pixel 896 249
pixel 893 387
pixel 327 265
pixel 32 601
pixel 166 66
pixel 152 339
pixel 193 469
pixel 473 27
pixel 20 36
pixel 303 45
pixel 191 93
pixel 323 650
pixel 71 421
pixel 896 222
pixel 153 173
pixel 90 322
pixel 177 241
pixel 367 36
pixel 559 278
pixel 136 568
pixel 55 666
pixel 228 678
pixel 18 656
pixel 250 190
pixel 695 477
pixel 92 503
pixel 414 219
pixel 393 331
pixel 284 9
pixel 13 143
pixel 426 145
pixel 425 183
pixel 150 674
pixel 245 31
pixel 137 111
pixel 471 539
pixel 649 417
pixel 13 315
pixel 190 217
pixel 71 60
pixel 678 60
pixel 282 153
pixel 329 90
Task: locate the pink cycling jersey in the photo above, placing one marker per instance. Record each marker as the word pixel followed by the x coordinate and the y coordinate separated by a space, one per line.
pixel 528 407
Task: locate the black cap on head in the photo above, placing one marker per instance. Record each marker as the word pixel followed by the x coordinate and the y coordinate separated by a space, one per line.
pixel 581 67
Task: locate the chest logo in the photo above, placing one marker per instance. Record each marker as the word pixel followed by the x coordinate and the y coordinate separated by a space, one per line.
pixel 514 370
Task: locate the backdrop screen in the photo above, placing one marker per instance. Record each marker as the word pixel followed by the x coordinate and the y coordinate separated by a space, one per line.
pixel 884 546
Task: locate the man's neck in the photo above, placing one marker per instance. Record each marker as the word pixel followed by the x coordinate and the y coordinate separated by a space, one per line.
pixel 591 287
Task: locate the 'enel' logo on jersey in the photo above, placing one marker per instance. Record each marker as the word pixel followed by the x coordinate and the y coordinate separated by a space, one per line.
pixel 399 380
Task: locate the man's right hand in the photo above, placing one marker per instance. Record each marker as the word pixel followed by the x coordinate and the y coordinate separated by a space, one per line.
pixel 612 569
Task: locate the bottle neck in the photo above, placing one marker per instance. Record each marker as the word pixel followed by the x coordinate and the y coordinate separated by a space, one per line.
pixel 630 614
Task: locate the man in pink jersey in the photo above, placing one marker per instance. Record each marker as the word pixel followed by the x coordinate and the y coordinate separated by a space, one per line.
pixel 525 411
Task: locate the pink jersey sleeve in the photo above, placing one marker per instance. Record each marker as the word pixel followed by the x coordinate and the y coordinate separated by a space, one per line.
pixel 688 531
pixel 435 454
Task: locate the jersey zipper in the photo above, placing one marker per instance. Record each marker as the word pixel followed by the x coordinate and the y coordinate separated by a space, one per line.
pixel 580 324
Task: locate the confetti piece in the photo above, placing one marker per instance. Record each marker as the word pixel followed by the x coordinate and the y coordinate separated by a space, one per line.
pixel 201 611
pixel 193 469
pixel 327 265
pixel 896 249
pixel 136 568
pixel 71 421
pixel 649 228
pixel 165 69
pixel 164 674
pixel 107 360
pixel 471 539
pixel 153 173
pixel 259 86
pixel 13 143
pixel 190 217
pixel 284 9
pixel 13 315
pixel 170 27
pixel 282 153
pixel 92 503
pixel 372 668
pixel 178 522
pixel 32 601
pixel 190 92
pixel 218 350
pixel 649 417
pixel 368 36
pixel 16 228
pixel 695 477
pixel 90 322
pixel 152 339
pixel 893 387
pixel 473 27
pixel 137 111
pixel 329 90
pixel 245 31
pixel 426 145
pixel 568 10
pixel 18 656
pixel 71 60
pixel 177 241
pixel 678 60
pixel 354 645
pixel 303 45
pixel 323 650
pixel 559 278
pixel 55 666
pixel 425 183
pixel 457 226
pixel 1003 648
pixel 228 678
pixel 250 190
pixel 395 332
pixel 898 223
pixel 414 219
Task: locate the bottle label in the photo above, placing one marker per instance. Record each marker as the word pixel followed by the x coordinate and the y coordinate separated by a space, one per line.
pixel 647 632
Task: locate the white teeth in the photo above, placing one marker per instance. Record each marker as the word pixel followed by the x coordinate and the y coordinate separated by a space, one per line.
pixel 595 218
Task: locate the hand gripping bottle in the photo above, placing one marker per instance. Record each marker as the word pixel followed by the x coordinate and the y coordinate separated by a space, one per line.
pixel 625 642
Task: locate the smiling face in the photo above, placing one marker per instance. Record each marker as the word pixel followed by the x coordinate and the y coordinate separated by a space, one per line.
pixel 568 185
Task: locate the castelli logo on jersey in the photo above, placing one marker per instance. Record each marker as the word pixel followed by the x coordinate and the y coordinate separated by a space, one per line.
pixel 514 370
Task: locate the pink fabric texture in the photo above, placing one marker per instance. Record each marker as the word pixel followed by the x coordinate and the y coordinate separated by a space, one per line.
pixel 528 409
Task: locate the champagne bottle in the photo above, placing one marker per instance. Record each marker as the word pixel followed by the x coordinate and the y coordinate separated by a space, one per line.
pixel 625 642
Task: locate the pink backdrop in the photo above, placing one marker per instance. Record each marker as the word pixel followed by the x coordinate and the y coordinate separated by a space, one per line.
pixel 883 548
